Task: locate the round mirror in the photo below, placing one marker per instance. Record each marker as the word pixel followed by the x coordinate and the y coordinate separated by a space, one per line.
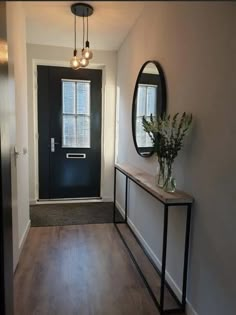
pixel 149 98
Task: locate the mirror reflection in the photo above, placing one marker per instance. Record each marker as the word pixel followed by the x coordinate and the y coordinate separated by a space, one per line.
pixel 148 99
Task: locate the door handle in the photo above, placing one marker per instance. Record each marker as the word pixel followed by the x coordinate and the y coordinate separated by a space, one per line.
pixel 16 151
pixel 53 143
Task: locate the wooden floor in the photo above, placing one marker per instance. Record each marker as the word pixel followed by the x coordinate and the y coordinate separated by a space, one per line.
pixel 78 270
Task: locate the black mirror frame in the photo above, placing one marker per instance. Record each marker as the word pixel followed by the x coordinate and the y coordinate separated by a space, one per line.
pixel 163 100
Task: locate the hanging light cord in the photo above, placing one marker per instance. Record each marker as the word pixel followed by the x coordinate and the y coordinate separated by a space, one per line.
pixel 87 25
pixel 75 35
pixel 83 31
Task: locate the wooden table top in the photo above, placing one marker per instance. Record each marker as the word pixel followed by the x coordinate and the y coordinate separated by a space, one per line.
pixel 147 181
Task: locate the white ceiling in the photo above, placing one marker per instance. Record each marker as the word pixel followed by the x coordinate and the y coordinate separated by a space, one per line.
pixel 51 23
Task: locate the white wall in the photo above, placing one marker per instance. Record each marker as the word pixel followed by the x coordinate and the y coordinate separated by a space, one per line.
pixel 51 55
pixel 18 90
pixel 196 45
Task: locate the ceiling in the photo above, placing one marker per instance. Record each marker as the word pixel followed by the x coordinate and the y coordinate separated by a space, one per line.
pixel 51 23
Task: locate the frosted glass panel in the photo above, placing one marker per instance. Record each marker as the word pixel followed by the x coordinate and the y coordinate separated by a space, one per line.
pixel 69 131
pixel 141 100
pixel 151 100
pixel 76 114
pixel 146 105
pixel 68 89
pixel 83 131
pixel 142 138
pixel 83 98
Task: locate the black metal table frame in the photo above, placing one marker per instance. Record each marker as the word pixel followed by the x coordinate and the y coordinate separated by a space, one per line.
pixel 159 305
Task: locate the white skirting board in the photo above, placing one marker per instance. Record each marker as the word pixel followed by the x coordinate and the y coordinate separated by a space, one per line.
pixel 189 309
pixel 24 236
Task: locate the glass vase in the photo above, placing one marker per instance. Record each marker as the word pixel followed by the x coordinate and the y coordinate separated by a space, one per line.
pixel 161 173
pixel 169 182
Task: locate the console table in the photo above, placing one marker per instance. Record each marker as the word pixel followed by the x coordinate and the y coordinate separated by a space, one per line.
pixel 178 198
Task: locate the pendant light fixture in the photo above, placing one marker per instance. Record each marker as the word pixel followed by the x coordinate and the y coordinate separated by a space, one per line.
pixel 75 62
pixel 87 53
pixel 83 10
pixel 83 61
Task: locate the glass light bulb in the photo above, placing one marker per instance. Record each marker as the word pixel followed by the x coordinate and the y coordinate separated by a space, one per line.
pixel 75 63
pixel 83 62
pixel 87 53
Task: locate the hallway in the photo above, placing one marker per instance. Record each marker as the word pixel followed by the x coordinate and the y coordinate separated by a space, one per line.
pixel 81 269
pixel 127 106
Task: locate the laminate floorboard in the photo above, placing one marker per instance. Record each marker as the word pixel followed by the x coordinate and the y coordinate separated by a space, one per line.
pixel 78 270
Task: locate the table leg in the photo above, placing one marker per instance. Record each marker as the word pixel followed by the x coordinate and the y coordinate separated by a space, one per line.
pixel 114 198
pixel 126 198
pixel 186 254
pixel 163 267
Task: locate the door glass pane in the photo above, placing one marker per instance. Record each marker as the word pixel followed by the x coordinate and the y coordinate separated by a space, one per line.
pixel 141 100
pixel 83 131
pixel 146 105
pixel 69 131
pixel 83 98
pixel 68 95
pixel 151 100
pixel 76 114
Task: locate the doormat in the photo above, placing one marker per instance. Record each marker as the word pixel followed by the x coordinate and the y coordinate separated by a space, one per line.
pixel 72 214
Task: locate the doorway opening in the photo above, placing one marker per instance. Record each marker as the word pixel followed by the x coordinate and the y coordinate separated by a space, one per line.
pixel 69 128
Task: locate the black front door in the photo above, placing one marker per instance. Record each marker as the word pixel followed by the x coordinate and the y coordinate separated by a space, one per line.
pixel 69 124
